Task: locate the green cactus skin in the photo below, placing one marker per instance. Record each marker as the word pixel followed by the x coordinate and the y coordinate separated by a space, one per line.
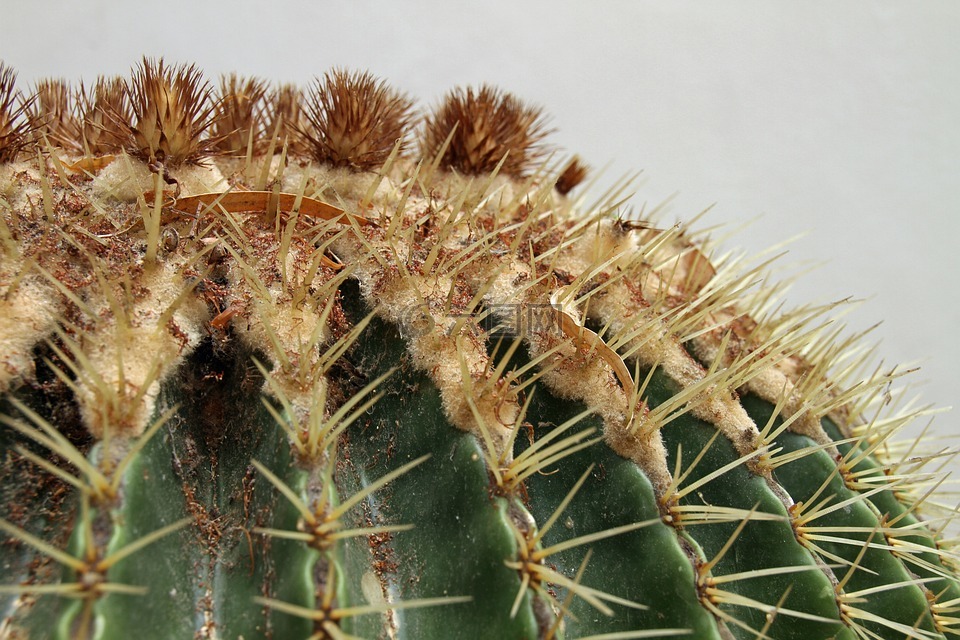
pixel 300 390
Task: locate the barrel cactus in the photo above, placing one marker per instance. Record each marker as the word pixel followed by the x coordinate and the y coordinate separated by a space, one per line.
pixel 283 362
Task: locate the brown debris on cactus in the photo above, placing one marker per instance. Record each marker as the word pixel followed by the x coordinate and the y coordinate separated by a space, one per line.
pixel 484 125
pixel 240 115
pixel 573 174
pixel 355 120
pixel 14 128
pixel 173 111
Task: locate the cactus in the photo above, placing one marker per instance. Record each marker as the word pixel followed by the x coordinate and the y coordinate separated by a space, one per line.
pixel 269 369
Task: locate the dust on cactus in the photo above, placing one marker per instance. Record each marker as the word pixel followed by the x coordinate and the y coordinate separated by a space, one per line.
pixel 306 364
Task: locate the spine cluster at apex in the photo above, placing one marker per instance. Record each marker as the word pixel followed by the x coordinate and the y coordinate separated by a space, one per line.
pixel 171 115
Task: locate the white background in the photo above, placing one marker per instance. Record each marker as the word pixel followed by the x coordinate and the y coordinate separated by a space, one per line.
pixel 839 119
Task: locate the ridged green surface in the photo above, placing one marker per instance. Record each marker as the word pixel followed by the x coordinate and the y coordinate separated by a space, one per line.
pixel 199 465
pixel 37 502
pixel 803 478
pixel 760 544
pixel 461 536
pixel 615 494
pixel 927 565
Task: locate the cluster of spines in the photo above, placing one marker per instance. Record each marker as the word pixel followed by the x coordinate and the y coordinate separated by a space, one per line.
pixel 168 114
pixel 480 125
pixel 14 128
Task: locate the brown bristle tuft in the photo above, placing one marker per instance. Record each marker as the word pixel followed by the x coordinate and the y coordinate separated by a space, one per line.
pixel 52 116
pixel 106 116
pixel 240 116
pixel 354 120
pixel 172 109
pixel 284 116
pixel 14 128
pixel 574 173
pixel 489 124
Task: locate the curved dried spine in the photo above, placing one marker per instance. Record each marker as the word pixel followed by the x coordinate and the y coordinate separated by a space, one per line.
pixel 570 371
pixel 267 203
pixel 576 373
pixel 647 340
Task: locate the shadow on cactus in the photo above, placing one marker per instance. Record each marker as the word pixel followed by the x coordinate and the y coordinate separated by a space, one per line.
pixel 299 365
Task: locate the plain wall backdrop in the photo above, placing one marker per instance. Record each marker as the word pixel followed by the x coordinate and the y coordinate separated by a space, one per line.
pixel 838 119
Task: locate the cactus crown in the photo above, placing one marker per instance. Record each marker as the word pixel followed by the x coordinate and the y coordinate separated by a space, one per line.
pixel 281 372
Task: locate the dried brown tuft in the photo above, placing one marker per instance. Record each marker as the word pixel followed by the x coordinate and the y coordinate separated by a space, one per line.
pixel 574 173
pixel 240 115
pixel 284 117
pixel 354 120
pixel 172 109
pixel 52 115
pixel 15 129
pixel 489 124
pixel 106 118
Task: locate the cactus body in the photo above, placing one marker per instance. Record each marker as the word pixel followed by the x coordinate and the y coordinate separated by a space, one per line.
pixel 266 373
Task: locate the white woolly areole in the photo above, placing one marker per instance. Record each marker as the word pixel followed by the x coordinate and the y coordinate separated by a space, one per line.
pixel 401 300
pixel 589 379
pixel 126 179
pixel 134 359
pixel 28 314
pixel 340 186
pixel 287 333
pixel 772 384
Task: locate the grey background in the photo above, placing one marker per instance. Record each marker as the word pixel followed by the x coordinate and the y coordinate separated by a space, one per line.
pixel 837 119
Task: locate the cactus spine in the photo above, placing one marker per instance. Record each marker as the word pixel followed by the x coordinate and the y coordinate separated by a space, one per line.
pixel 268 372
